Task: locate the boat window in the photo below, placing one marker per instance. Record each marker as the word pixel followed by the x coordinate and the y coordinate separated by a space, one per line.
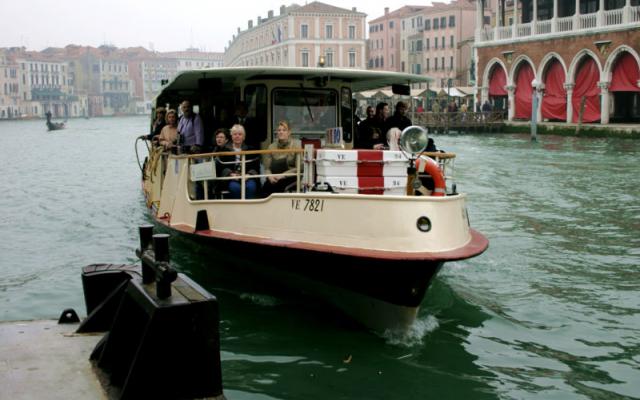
pixel 255 97
pixel 309 111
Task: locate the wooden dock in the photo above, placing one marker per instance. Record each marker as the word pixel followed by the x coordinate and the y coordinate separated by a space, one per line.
pixel 444 122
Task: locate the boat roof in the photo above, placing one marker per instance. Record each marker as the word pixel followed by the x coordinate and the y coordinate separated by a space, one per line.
pixel 359 79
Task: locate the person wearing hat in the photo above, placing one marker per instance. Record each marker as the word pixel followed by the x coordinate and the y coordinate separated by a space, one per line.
pixel 158 123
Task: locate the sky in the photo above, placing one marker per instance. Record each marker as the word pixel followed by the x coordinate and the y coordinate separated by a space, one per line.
pixel 156 25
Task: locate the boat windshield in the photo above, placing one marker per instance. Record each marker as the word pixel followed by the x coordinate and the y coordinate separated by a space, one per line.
pixel 309 111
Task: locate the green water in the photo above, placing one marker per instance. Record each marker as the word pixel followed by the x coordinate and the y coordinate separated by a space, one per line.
pixel 550 311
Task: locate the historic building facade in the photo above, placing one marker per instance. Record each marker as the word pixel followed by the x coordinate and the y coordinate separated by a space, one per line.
pixel 435 39
pixel 580 58
pixel 302 36
pixel 384 44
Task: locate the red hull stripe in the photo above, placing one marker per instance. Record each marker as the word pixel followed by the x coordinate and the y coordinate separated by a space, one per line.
pixel 477 245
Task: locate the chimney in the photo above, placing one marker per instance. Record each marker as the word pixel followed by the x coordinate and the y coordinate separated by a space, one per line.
pixel 259 20
pixel 282 9
pixel 270 14
pixel 250 23
pixel 386 10
pixel 354 9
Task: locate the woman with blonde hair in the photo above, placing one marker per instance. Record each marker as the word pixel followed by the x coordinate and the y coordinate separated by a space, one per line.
pixel 280 163
pixel 169 133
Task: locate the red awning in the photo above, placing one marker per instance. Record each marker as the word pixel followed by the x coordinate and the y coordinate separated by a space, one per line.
pixel 554 102
pixel 626 75
pixel 587 87
pixel 524 90
pixel 497 81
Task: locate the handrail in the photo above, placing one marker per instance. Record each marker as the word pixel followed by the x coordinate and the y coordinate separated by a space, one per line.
pixel 242 152
pixel 437 154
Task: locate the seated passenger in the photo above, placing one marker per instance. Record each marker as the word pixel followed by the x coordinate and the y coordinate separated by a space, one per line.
pixel 221 139
pixel 169 133
pixel 233 165
pixel 280 163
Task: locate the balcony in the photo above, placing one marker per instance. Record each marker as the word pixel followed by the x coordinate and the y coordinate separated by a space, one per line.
pixel 626 17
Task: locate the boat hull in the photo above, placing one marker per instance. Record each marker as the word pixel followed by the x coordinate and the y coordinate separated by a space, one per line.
pixel 380 293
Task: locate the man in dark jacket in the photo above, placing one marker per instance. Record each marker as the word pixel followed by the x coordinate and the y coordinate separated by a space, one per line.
pixel 398 119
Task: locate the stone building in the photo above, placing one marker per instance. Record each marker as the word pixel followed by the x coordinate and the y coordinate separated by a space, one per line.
pixel 384 43
pixel 581 58
pixel 301 36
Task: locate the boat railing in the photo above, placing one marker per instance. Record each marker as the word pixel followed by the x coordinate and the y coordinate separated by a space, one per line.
pixel 205 182
pixel 202 168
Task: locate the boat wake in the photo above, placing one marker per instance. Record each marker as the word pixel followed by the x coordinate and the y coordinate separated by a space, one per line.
pixel 418 330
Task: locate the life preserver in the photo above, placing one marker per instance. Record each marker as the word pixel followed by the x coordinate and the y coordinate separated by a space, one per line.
pixel 428 165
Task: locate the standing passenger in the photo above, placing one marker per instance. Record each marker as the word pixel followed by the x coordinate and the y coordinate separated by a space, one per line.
pixel 169 134
pixel 190 128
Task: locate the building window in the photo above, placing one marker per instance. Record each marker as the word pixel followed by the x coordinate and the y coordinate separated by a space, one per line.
pixel 402 66
pixel 442 63
pixel 451 63
pixel 443 22
pixel 392 61
pixel 304 31
pixel 419 45
pixel 403 27
pixel 305 58
pixel 427 44
pixel 435 24
pixel 352 59
pixel 381 27
pixel 352 32
pixel 381 62
pixel 402 44
pixel 427 24
pixel 451 42
pixel 392 42
pixel 443 43
pixel 329 32
pixel 452 21
pixel 435 42
pixel 329 58
pixel 390 24
pixel 435 63
pixel 413 22
pixel 428 65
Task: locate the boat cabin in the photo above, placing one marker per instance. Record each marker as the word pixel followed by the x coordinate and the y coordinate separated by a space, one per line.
pixel 310 99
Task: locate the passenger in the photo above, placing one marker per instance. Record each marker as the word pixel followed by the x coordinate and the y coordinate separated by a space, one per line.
pixel 158 123
pixel 222 137
pixel 371 136
pixel 234 168
pixel 241 117
pixel 169 134
pixel 190 129
pixel 399 118
pixel 393 138
pixel 280 163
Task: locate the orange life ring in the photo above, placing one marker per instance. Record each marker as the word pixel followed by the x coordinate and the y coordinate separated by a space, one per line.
pixel 429 166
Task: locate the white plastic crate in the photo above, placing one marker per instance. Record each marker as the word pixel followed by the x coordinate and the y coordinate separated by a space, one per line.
pixel 366 185
pixel 388 163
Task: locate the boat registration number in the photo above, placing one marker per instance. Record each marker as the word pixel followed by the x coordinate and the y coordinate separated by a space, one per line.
pixel 310 205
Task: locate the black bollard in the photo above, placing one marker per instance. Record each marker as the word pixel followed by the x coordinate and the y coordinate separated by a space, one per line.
pixel 146 243
pixel 164 273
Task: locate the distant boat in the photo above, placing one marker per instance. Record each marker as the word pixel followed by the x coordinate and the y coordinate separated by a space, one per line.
pixel 53 126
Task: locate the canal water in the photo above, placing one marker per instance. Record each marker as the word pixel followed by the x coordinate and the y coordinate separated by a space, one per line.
pixel 550 311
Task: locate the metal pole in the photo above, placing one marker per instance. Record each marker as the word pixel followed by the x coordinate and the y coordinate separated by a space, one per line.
pixel 534 116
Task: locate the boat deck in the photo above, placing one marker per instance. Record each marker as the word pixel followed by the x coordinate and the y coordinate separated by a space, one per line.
pixel 45 360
